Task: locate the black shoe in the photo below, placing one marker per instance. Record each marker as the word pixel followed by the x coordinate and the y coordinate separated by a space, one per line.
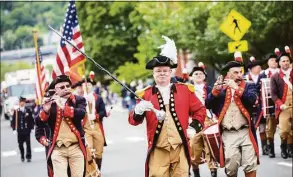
pixel 213 173
pixel 22 159
pixel 289 147
pixel 264 147
pixel 29 160
pixel 271 149
pixel 196 172
pixel 284 153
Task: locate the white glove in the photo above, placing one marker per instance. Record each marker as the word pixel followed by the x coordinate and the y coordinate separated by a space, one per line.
pixel 283 107
pixel 190 132
pixel 143 106
pixel 160 114
pixel 91 116
pixel 231 83
pixel 14 132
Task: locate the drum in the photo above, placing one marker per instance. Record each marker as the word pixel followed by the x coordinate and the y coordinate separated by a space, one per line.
pixel 268 105
pixel 92 169
pixel 212 136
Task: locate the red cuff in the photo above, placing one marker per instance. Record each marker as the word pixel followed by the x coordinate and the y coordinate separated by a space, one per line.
pixel 68 111
pixel 278 103
pixel 42 140
pixel 43 115
pixel 239 91
pixel 216 92
pixel 97 116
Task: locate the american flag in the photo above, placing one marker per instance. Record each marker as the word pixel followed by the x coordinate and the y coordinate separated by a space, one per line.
pixel 41 83
pixel 66 54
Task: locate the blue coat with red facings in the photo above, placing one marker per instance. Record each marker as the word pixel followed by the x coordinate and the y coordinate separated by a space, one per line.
pixel 244 98
pixel 73 113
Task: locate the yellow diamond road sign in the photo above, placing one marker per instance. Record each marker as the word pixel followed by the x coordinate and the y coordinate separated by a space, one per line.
pixel 241 46
pixel 235 25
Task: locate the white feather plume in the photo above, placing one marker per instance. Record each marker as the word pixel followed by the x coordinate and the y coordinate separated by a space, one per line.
pixel 169 49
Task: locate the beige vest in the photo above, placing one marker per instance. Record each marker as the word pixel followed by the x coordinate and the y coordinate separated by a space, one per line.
pixel 65 135
pixel 169 136
pixel 233 117
pixel 288 101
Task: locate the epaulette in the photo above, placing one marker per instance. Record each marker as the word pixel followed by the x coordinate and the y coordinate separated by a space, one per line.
pixel 141 92
pixel 190 86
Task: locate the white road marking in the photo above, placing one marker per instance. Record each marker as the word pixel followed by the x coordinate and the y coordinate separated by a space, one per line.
pixel 39 149
pixel 8 153
pixel 109 141
pixel 135 138
pixel 285 164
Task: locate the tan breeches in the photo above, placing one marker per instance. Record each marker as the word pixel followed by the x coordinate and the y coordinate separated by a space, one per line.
pixel 238 151
pixel 271 125
pixel 285 125
pixel 171 163
pixel 95 139
pixel 72 155
pixel 198 150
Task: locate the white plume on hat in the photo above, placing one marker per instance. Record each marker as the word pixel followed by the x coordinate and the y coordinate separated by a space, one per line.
pixel 169 49
pixel 252 59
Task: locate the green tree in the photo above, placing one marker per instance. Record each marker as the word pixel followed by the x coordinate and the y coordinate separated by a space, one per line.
pixel 108 34
pixel 11 67
pixel 19 18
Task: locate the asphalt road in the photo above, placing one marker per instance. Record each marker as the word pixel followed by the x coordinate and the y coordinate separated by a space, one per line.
pixel 123 157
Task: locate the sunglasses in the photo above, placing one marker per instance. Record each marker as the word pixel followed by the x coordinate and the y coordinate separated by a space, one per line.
pixel 198 74
pixel 63 87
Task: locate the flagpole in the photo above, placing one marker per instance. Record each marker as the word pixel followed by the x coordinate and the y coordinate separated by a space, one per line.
pixel 35 36
pixel 96 64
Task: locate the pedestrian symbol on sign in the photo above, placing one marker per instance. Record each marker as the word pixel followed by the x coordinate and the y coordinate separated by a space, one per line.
pixel 235 25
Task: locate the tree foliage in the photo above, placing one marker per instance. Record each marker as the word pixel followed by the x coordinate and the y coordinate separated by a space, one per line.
pixel 10 67
pixel 109 36
pixel 18 19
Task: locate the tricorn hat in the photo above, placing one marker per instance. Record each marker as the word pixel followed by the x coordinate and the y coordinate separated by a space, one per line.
pixel 88 80
pixel 21 98
pixel 253 62
pixel 237 62
pixel 167 57
pixel 199 67
pixel 283 54
pixel 269 56
pixel 61 78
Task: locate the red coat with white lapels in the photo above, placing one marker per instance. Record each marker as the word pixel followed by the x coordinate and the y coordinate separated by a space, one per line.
pixel 183 104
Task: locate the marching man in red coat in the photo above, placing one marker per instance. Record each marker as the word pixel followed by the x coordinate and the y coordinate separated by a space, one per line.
pixel 281 90
pixel 168 149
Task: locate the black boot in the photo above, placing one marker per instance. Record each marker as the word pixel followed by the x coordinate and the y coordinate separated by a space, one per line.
pixel 213 172
pixel 99 163
pixel 271 149
pixel 196 172
pixel 284 152
pixel 264 147
pixel 290 150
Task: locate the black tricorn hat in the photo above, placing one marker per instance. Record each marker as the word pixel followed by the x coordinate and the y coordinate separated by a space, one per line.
pixel 21 98
pixel 253 62
pixel 61 78
pixel 77 84
pixel 269 56
pixel 200 67
pixel 88 80
pixel 283 54
pixel 50 91
pixel 160 61
pixel 232 64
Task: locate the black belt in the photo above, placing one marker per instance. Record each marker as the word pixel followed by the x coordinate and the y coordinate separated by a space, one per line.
pixel 234 129
pixel 68 146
